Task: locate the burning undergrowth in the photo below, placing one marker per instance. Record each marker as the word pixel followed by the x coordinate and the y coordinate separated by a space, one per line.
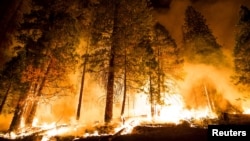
pixel 205 97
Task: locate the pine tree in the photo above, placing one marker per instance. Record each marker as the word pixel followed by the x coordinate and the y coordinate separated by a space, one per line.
pixel 117 26
pixel 147 71
pixel 11 83
pixel 49 34
pixel 200 45
pixel 169 62
pixel 86 18
pixel 140 21
pixel 242 48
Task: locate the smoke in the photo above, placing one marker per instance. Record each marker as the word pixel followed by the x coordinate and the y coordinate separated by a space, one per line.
pixel 221 16
pixel 173 18
pixel 205 83
pixel 63 109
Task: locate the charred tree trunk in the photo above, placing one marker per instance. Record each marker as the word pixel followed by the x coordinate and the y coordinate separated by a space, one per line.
pixel 30 118
pixel 125 85
pixel 110 84
pixel 19 110
pixel 82 86
pixel 110 91
pixel 5 96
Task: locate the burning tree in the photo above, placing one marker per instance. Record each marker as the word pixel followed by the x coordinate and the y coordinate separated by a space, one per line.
pixel 134 27
pixel 148 66
pixel 169 61
pixel 49 34
pixel 11 83
pixel 159 62
pixel 86 18
pixel 118 27
pixel 241 49
pixel 200 46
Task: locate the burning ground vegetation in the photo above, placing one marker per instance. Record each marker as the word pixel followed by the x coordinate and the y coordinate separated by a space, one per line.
pixel 184 114
pixel 176 119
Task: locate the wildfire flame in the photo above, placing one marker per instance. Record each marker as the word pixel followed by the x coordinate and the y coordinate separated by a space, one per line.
pixel 246 110
pixel 173 111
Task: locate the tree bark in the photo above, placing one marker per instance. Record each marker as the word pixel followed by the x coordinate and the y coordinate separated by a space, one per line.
pixel 125 85
pixel 30 118
pixel 110 92
pixel 19 110
pixel 111 72
pixel 82 86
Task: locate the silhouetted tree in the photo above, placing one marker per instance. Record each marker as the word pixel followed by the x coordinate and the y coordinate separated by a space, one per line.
pixel 170 63
pixel 116 24
pixel 50 33
pixel 242 48
pixel 200 45
pixel 11 83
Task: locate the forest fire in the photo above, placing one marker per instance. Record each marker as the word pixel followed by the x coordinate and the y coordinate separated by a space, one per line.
pixel 173 112
pixel 100 68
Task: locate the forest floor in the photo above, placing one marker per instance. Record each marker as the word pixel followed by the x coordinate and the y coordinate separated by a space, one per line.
pixel 151 132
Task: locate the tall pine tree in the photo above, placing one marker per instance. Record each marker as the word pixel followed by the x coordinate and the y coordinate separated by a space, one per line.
pixel 118 27
pixel 50 34
pixel 200 45
pixel 169 61
pixel 242 48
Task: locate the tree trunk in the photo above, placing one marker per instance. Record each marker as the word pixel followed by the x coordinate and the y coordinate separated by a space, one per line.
pixel 110 84
pixel 19 110
pixel 30 118
pixel 5 96
pixel 125 85
pixel 82 86
pixel 110 92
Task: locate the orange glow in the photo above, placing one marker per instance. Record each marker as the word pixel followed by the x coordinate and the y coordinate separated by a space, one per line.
pixel 246 110
pixel 175 111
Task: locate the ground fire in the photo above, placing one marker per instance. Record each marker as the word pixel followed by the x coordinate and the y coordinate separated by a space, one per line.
pixel 212 109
